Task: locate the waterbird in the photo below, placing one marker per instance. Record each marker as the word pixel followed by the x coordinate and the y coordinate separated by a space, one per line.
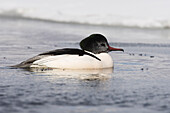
pixel 92 55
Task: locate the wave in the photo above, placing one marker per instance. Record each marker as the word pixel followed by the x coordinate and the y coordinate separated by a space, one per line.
pixel 122 44
pixel 140 45
pixel 93 19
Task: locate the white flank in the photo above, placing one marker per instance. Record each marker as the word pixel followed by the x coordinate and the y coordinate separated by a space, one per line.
pixel 75 62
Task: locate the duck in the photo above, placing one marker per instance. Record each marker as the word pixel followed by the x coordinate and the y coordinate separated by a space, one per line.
pixel 92 55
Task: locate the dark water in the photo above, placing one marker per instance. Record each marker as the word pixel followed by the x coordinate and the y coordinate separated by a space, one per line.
pixel 139 83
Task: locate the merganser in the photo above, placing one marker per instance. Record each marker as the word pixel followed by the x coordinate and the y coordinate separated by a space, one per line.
pixel 92 55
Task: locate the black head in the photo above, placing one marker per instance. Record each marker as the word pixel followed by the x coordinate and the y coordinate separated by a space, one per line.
pixel 97 43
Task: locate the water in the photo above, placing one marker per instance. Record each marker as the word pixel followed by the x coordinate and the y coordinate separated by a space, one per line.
pixel 139 83
pixel 131 13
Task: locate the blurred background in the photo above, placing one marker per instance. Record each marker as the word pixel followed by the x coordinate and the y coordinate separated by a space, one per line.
pixel 129 13
pixel 137 14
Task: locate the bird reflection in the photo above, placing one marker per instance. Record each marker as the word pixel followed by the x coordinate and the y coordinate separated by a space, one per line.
pixel 95 74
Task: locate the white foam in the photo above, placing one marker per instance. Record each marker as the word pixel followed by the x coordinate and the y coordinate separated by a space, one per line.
pixel 130 13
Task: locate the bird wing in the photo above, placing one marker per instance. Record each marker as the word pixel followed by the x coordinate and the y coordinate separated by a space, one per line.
pixel 70 51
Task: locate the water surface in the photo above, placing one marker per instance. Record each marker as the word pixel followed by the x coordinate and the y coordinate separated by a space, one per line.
pixel 139 82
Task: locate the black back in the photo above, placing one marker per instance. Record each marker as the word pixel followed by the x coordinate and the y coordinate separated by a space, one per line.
pixel 70 51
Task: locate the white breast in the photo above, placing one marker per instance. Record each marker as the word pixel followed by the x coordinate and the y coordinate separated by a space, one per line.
pixel 75 62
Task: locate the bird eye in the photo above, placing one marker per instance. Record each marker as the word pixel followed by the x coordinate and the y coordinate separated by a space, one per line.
pixel 102 44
